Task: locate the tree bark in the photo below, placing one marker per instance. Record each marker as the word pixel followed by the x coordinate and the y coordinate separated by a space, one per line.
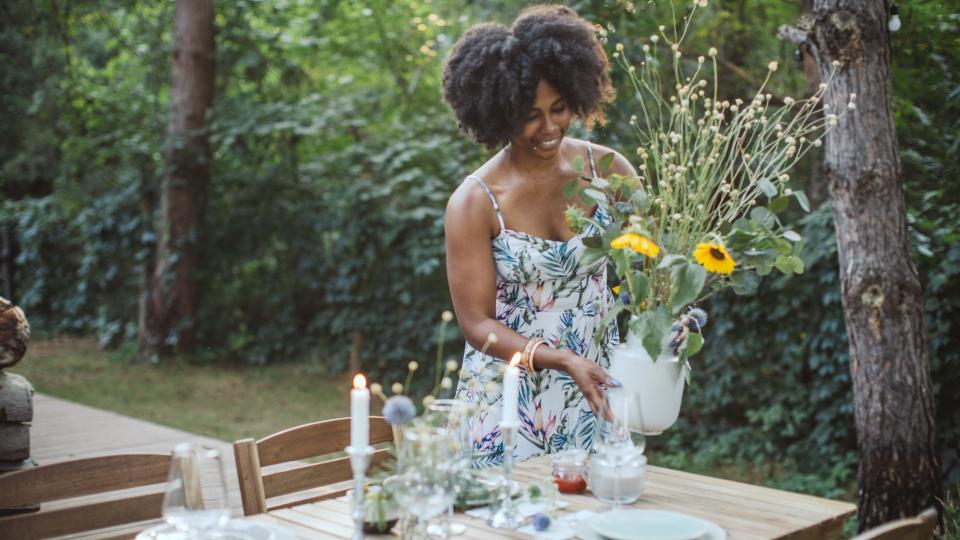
pixel 169 323
pixel 898 474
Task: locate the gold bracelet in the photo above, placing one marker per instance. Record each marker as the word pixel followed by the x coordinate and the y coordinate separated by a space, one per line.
pixel 533 351
pixel 526 352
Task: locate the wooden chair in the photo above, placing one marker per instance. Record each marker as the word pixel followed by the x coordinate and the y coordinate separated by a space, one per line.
pixel 74 496
pixel 299 443
pixel 913 528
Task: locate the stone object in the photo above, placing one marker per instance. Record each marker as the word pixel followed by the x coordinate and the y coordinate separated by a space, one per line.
pixel 14 334
pixel 14 442
pixel 16 398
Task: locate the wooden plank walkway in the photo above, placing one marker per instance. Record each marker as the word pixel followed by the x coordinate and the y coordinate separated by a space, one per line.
pixel 65 430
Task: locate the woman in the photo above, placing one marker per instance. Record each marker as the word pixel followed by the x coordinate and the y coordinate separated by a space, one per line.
pixel 514 265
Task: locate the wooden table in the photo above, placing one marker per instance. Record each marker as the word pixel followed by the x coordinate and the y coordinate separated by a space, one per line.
pixel 744 510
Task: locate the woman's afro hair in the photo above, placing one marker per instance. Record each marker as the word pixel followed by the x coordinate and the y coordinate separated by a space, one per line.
pixel 490 80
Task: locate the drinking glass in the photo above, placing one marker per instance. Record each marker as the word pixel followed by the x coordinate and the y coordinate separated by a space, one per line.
pixel 454 415
pixel 424 485
pixel 195 499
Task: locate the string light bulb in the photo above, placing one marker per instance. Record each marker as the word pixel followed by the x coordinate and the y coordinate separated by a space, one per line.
pixel 894 23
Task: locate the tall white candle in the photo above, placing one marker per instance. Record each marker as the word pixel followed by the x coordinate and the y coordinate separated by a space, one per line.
pixel 511 389
pixel 359 413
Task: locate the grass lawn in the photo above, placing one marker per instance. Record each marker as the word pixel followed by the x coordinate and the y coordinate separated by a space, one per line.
pixel 226 402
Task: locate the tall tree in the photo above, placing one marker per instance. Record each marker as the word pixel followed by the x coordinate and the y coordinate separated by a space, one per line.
pixel 898 472
pixel 169 300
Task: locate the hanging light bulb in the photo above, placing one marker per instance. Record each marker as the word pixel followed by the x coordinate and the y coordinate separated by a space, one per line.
pixel 894 23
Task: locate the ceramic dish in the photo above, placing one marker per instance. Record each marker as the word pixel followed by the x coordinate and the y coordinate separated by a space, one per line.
pixel 588 528
pixel 236 529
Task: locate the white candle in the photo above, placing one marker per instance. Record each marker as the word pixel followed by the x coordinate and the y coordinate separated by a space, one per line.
pixel 359 413
pixel 511 389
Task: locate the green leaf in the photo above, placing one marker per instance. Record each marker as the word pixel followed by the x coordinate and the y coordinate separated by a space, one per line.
pixel 802 199
pixel 606 161
pixel 577 164
pixel 651 327
pixel 778 205
pixel 571 189
pixel 641 199
pixel 595 195
pixel 792 236
pixel 763 217
pixel 600 183
pixel 767 187
pixel 639 285
pixel 692 344
pixel 745 282
pixel 789 264
pixel 686 283
pixel 672 260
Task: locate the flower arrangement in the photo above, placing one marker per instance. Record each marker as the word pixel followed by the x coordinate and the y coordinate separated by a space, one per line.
pixel 703 212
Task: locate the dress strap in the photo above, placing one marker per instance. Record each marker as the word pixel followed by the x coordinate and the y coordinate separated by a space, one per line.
pixel 593 167
pixel 493 199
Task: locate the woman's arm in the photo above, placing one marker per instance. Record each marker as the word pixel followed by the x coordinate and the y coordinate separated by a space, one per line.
pixel 469 224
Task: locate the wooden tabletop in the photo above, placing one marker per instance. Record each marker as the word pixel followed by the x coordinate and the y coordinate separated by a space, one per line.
pixel 745 511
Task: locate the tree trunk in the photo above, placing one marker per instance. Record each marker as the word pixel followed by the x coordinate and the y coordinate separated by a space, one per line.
pixel 898 472
pixel 170 302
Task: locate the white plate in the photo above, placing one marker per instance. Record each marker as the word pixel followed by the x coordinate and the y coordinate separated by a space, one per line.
pixel 236 529
pixel 586 528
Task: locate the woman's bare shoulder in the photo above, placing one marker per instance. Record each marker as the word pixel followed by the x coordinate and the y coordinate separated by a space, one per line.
pixel 470 206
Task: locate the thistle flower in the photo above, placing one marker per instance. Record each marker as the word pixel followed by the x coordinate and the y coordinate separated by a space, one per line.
pixel 712 52
pixel 398 410
pixel 697 319
pixel 772 66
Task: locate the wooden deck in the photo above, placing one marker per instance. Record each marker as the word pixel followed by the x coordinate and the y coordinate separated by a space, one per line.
pixel 65 430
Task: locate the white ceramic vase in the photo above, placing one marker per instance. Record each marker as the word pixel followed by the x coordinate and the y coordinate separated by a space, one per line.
pixel 656 386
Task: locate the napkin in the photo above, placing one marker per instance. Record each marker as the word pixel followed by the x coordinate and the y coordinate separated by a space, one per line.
pixel 562 528
pixel 524 508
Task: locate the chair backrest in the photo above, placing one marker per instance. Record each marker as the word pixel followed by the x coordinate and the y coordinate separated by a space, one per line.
pixel 913 528
pixel 90 481
pixel 298 443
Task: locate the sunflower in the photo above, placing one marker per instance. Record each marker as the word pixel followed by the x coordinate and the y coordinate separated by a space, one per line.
pixel 636 242
pixel 714 257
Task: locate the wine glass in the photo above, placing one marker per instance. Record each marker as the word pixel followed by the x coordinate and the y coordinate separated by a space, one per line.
pixel 454 415
pixel 424 485
pixel 195 498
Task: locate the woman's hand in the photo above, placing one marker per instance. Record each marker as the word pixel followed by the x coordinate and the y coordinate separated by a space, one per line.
pixel 591 379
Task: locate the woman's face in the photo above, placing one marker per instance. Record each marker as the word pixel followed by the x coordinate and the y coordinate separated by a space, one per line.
pixel 546 123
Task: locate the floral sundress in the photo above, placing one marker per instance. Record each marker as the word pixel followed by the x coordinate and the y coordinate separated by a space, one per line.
pixel 544 290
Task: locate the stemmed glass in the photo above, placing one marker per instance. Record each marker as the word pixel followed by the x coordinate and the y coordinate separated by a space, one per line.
pixel 195 498
pixel 454 416
pixel 426 469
